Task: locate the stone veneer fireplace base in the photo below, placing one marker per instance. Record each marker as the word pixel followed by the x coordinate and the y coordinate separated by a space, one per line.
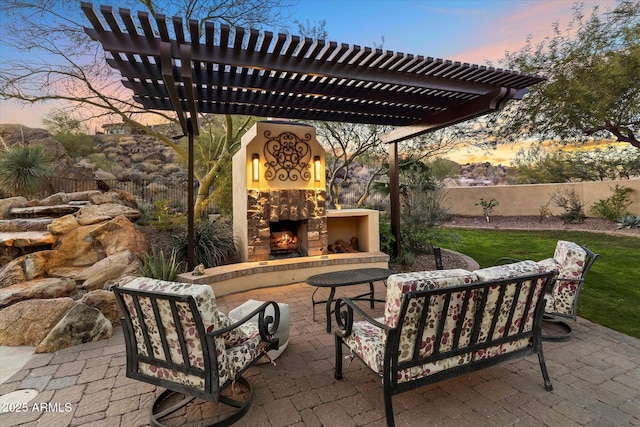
pixel 267 208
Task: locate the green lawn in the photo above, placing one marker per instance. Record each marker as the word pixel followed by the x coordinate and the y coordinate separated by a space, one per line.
pixel 611 294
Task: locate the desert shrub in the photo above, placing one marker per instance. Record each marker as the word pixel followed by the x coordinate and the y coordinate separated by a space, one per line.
pixel 213 244
pixel 387 239
pixel 567 199
pixel 487 206
pixel 406 258
pixel 158 266
pixel 76 144
pixel 615 206
pixel 24 170
pixel 544 212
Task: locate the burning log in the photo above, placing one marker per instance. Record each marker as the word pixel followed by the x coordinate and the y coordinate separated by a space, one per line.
pixel 283 241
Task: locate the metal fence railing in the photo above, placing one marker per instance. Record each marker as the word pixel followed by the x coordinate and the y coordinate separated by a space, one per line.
pixel 172 193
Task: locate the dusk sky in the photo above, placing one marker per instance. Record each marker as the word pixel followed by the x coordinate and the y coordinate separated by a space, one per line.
pixel 474 31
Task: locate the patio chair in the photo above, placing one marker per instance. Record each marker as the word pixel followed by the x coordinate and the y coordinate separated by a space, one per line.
pixel 573 262
pixel 176 339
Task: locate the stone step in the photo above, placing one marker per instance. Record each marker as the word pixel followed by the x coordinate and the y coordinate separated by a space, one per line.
pixel 26 239
pixel 25 224
pixel 40 211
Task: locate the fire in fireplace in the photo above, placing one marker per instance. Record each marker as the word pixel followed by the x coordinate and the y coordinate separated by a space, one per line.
pixel 284 240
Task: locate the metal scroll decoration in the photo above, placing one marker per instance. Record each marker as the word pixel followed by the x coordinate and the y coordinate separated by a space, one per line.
pixel 287 157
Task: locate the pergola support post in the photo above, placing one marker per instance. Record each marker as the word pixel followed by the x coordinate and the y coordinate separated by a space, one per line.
pixel 190 199
pixel 394 195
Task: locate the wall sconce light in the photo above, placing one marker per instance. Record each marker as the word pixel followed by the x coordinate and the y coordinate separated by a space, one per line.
pixel 316 168
pixel 255 167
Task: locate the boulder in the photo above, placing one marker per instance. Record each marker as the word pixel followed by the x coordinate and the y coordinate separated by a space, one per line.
pixel 38 288
pixel 105 301
pixel 24 268
pixel 119 235
pixel 157 188
pixel 107 176
pixel 63 198
pixel 25 224
pixel 81 324
pixel 16 134
pixel 26 239
pixel 63 225
pixel 9 203
pixel 29 322
pixel 111 267
pixel 84 164
pixel 77 248
pixel 115 196
pixel 97 213
pixel 11 274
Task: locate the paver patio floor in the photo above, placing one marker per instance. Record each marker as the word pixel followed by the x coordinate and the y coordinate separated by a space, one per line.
pixel 596 379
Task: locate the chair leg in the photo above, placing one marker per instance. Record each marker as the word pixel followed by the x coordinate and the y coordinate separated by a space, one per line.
pixel 566 333
pixel 338 370
pixel 158 410
pixel 543 368
pixel 388 408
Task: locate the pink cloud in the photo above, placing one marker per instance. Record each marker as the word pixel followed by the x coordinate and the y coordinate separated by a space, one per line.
pixel 531 18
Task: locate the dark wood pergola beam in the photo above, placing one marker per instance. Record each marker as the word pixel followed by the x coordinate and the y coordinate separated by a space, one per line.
pixel 479 106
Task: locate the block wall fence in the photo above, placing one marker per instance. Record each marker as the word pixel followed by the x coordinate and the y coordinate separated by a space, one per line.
pixel 528 199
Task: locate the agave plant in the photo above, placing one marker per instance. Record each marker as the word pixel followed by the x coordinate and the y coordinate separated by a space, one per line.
pixel 629 221
pixel 24 169
pixel 158 266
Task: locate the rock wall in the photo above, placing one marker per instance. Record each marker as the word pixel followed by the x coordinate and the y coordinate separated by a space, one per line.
pixel 54 296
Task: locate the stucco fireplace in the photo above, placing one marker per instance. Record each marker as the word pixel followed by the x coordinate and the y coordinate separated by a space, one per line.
pixel 280 221
pixel 279 192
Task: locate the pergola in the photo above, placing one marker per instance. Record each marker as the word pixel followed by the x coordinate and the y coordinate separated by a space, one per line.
pixel 193 69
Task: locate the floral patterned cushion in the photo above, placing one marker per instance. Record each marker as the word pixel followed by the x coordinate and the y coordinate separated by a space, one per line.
pixel 571 259
pixel 400 284
pixel 234 349
pixel 508 271
pixel 549 264
pixel 205 301
pixel 367 341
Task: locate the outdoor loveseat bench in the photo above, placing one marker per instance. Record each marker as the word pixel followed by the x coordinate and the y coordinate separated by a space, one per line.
pixel 440 324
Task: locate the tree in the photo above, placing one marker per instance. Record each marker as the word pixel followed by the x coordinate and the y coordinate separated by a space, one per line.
pixel 349 144
pixel 59 121
pixel 537 165
pixel 50 58
pixel 593 87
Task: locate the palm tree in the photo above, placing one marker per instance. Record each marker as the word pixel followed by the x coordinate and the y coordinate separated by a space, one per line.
pixel 24 169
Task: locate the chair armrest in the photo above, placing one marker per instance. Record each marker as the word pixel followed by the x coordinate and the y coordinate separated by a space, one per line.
pixel 344 309
pixel 506 260
pixel 267 325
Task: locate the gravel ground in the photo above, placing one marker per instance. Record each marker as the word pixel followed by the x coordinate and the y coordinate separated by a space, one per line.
pixel 596 225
